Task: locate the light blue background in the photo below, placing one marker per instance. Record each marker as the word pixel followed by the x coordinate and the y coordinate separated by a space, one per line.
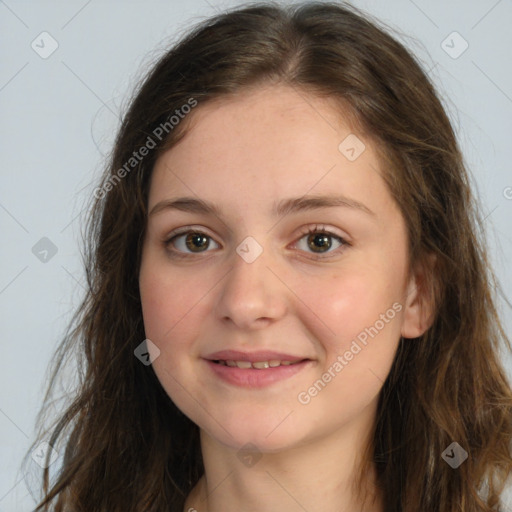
pixel 58 117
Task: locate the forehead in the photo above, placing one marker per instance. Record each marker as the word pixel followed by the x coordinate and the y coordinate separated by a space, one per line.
pixel 255 118
pixel 269 142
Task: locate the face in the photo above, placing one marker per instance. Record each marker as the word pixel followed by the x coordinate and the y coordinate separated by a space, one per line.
pixel 272 239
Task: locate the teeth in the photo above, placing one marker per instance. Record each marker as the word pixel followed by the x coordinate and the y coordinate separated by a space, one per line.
pixel 261 365
pixel 258 365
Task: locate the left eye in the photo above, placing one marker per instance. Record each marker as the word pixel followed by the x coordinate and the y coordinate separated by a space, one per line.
pixel 320 242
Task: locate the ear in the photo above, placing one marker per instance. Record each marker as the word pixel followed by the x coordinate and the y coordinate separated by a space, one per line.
pixel 419 302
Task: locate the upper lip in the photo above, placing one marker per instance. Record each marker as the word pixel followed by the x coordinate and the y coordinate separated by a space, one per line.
pixel 253 357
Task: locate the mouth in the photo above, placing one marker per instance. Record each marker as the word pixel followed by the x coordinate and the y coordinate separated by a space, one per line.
pixel 255 370
pixel 256 365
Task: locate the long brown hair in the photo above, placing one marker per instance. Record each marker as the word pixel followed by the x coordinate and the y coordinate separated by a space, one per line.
pixel 126 447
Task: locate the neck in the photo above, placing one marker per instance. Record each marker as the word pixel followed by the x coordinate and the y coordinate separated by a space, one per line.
pixel 320 475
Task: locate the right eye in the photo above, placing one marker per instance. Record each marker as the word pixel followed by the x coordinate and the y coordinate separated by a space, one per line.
pixel 190 242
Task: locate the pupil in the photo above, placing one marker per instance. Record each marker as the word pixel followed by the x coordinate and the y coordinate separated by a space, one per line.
pixel 319 241
pixel 196 241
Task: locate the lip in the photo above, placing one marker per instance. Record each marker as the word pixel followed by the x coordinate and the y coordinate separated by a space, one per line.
pixel 253 357
pixel 252 377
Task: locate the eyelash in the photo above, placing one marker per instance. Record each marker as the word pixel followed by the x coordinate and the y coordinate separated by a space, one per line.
pixel 318 229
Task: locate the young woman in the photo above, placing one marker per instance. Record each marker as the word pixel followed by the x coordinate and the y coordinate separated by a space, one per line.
pixel 289 304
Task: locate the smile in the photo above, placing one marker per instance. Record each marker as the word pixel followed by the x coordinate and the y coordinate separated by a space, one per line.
pixel 257 365
pixel 256 374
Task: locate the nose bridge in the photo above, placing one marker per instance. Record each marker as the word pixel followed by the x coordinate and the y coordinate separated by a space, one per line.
pixel 250 291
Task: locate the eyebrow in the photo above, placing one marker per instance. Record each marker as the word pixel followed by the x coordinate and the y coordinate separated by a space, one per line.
pixel 280 209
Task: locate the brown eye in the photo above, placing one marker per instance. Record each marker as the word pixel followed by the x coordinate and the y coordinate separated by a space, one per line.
pixel 190 242
pixel 197 242
pixel 319 242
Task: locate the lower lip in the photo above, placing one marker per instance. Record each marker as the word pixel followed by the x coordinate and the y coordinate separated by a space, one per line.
pixel 253 378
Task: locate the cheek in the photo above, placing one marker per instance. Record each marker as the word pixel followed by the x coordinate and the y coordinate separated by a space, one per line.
pixel 351 304
pixel 365 316
pixel 170 304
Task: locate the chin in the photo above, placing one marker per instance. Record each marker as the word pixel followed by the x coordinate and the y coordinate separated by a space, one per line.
pixel 269 434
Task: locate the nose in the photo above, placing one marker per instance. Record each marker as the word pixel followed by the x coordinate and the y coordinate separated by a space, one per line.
pixel 251 296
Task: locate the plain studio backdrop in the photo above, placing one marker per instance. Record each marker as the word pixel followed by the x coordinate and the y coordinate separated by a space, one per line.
pixel 67 69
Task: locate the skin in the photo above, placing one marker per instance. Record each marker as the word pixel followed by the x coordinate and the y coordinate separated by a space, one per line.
pixel 245 153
